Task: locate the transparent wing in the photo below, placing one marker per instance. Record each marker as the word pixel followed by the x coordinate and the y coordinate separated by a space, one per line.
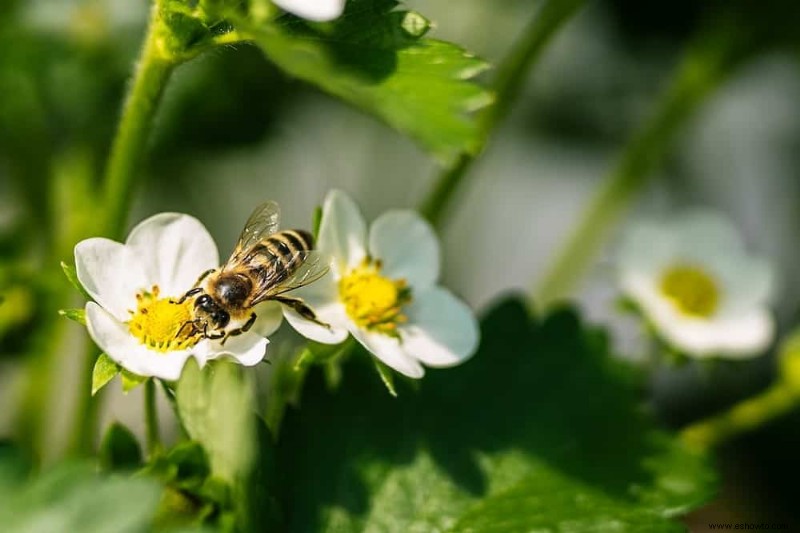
pixel 314 265
pixel 263 222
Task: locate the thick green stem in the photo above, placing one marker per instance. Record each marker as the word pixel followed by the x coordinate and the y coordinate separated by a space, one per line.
pixel 151 418
pixel 88 408
pixel 703 68
pixel 747 415
pixel 511 75
pixel 127 151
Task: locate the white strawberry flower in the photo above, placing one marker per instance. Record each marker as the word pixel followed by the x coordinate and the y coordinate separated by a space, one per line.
pixel 382 289
pixel 695 283
pixel 315 10
pixel 134 317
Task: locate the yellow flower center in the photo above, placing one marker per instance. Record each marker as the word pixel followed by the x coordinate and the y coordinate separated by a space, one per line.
pixel 693 291
pixel 159 322
pixel 374 302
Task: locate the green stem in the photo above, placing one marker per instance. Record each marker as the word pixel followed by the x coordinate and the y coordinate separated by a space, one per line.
pixel 702 69
pixel 151 417
pixel 145 93
pixel 88 407
pixel 748 414
pixel 510 78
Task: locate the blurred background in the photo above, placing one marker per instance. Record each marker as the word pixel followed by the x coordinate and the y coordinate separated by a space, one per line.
pixel 234 131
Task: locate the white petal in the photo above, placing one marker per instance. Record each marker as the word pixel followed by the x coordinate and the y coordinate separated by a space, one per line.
pixel 739 337
pixel 247 349
pixel 441 331
pixel 174 249
pixel 746 283
pixel 329 315
pixel 343 232
pixel 407 246
pixel 389 350
pixel 115 340
pixel 269 317
pixel 111 273
pixel 317 10
pixel 322 297
pixel 704 235
pixel 647 248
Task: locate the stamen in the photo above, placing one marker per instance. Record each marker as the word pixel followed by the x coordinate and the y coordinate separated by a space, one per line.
pixel 693 291
pixel 374 302
pixel 160 322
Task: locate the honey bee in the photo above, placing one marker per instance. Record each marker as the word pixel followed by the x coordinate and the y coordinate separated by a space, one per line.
pixel 265 265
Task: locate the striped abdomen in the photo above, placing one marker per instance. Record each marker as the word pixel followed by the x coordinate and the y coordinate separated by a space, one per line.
pixel 275 258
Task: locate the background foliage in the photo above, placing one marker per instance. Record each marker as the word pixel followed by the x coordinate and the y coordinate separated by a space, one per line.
pixel 545 426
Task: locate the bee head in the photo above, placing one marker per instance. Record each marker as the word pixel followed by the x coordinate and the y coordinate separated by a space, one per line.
pixel 207 307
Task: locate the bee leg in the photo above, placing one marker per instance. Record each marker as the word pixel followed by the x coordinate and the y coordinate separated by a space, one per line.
pixel 187 323
pixel 302 309
pixel 238 331
pixel 189 293
pixel 211 337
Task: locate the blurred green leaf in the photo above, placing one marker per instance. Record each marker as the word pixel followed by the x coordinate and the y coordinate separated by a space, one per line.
pixel 72 276
pixel 541 430
pixel 216 410
pixel 119 449
pixel 71 497
pixel 105 369
pixel 76 315
pixel 377 58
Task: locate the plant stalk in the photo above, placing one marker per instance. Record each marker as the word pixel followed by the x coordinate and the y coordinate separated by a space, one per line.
pixel 510 78
pixel 704 67
pixel 151 418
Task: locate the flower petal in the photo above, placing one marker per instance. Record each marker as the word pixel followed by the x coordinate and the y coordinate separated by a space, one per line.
pixel 647 248
pixel 390 351
pixel 175 249
pixel 115 340
pixel 442 330
pixel 407 246
pixel 269 317
pixel 316 10
pixel 247 349
pixel 111 273
pixel 746 335
pixel 343 232
pixel 311 330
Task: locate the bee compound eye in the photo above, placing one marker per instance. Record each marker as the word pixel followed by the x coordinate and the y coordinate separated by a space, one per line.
pixel 221 318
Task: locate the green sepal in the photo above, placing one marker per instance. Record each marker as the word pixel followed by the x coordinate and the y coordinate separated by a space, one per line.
pixel 387 376
pixel 316 221
pixel 72 277
pixel 130 380
pixel 317 353
pixel 119 449
pixel 105 369
pixel 76 315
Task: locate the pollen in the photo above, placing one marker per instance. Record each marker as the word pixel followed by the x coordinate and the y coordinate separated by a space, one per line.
pixel 159 322
pixel 691 289
pixel 373 301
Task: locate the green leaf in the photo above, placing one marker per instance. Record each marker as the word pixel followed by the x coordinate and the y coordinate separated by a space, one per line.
pixel 105 369
pixel 72 497
pixel 76 315
pixel 119 450
pixel 541 430
pixel 72 277
pixel 376 58
pixel 216 410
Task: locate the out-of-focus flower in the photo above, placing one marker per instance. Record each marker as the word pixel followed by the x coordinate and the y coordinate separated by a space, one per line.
pixel 693 280
pixel 382 289
pixel 135 317
pixel 316 10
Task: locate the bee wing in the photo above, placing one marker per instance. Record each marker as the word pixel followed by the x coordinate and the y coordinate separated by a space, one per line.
pixel 314 266
pixel 264 221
